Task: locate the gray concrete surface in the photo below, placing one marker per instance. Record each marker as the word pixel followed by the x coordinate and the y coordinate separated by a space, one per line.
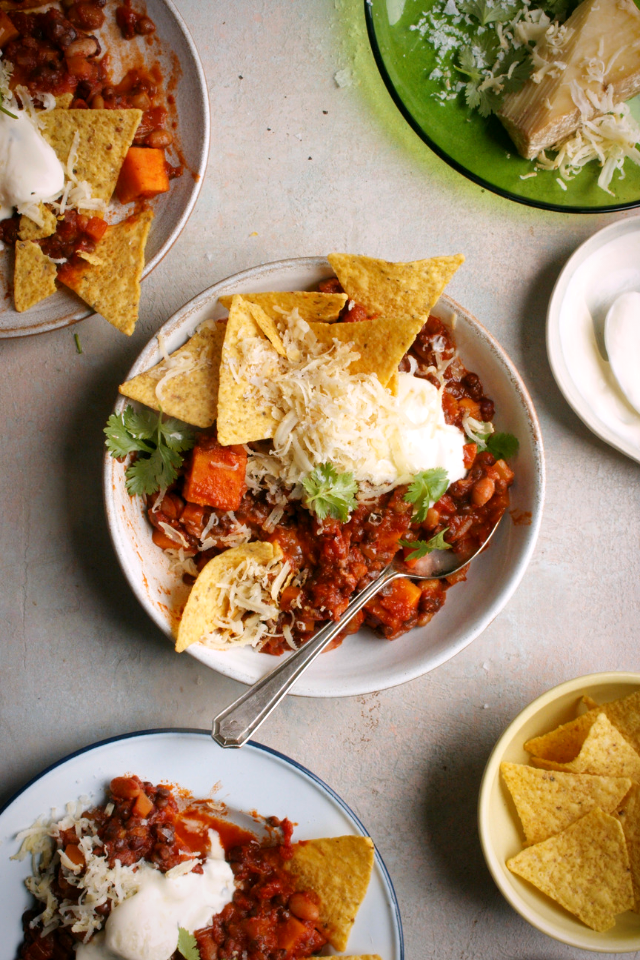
pixel 300 166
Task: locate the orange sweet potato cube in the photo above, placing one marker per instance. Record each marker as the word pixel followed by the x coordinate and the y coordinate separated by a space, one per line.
pixel 216 476
pixel 143 175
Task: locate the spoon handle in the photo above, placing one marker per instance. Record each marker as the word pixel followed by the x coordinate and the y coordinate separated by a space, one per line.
pixel 237 722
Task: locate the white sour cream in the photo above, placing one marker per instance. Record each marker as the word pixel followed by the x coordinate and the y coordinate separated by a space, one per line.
pixel 145 927
pixel 30 171
pixel 622 340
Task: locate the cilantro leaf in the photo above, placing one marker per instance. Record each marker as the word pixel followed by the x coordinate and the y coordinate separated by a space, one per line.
pixel 187 945
pixel 488 12
pixel 329 493
pixel 467 64
pixel 422 547
pixel 503 445
pixel 425 489
pixel 3 109
pixel 159 444
pixel 489 102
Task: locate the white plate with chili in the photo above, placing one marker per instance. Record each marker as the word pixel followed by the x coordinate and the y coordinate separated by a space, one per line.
pixel 170 50
pixel 242 780
pixel 363 662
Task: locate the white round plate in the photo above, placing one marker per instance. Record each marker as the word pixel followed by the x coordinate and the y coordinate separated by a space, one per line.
pixel 605 266
pixel 255 777
pixel 175 51
pixel 363 662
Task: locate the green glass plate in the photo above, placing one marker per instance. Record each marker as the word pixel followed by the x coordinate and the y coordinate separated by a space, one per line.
pixel 476 147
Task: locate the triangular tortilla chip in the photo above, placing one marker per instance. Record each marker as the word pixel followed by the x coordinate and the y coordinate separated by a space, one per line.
pixel 240 419
pixel 563 744
pixel 585 869
pixel 604 752
pixel 30 230
pixel 105 137
pixel 190 391
pixel 310 305
pixel 633 849
pixel 267 325
pixel 381 343
pixel 629 813
pixel 206 603
pixel 34 276
pixel 395 289
pixel 338 870
pixel 64 101
pixel 548 801
pixel 112 288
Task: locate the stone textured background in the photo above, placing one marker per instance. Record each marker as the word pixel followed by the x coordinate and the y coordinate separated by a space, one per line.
pixel 300 166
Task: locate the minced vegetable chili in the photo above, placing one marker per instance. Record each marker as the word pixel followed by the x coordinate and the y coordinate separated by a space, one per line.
pixel 267 918
pixel 341 558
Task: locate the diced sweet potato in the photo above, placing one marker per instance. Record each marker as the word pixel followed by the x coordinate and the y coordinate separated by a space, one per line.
pixel 290 933
pixel 216 475
pixel 143 806
pixel 96 228
pixel 402 599
pixel 7 30
pixel 143 175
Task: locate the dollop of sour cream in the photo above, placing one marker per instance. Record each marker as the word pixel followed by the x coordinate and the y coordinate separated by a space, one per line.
pixel 30 171
pixel 145 927
pixel 622 340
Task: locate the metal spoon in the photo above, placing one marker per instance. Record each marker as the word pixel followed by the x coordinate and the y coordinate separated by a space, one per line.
pixel 240 720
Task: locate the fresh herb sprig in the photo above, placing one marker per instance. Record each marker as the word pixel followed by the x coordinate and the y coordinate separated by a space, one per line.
pixel 425 489
pixel 329 493
pixel 502 445
pixel 159 444
pixel 187 945
pixel 4 110
pixel 422 547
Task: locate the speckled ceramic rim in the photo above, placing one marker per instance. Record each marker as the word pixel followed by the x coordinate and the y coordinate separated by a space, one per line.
pixel 146 359
pixel 485 808
pixel 554 344
pixel 198 174
pixel 252 745
pixel 440 152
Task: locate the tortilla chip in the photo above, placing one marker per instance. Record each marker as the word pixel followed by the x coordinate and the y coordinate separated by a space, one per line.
pixel 34 276
pixel 240 420
pixel 91 257
pixel 105 137
pixel 629 813
pixel 392 386
pixel 585 869
pixel 604 752
pixel 267 326
pixel 64 101
pixel 310 306
pixel 547 801
pixel 202 605
pixel 588 702
pixel 381 343
pixel 563 744
pixel 633 849
pixel 338 870
pixel 112 288
pixel 192 394
pixel 395 289
pixel 29 229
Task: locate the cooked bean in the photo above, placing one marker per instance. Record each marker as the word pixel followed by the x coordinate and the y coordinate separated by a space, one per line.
pixel 83 47
pixel 159 139
pixel 97 102
pixel 145 26
pixel 302 907
pixel 125 788
pixel 483 491
pixel 141 101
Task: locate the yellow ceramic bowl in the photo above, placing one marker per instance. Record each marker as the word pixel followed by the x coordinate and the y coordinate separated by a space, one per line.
pixel 500 832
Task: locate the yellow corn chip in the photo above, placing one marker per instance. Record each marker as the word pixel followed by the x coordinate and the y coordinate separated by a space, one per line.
pixel 240 419
pixel 338 870
pixel 112 288
pixel 629 813
pixel 29 229
pixel 190 390
pixel 604 752
pixel 588 702
pixel 381 343
pixel 563 744
pixel 207 604
pixel 64 101
pixel 633 849
pixel 395 289
pixel 585 869
pixel 548 801
pixel 91 257
pixel 310 306
pixel 267 326
pixel 104 139
pixel 34 276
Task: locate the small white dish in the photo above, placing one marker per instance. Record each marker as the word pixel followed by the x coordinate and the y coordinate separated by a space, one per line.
pixel 605 266
pixel 499 826
pixel 363 662
pixel 174 50
pixel 254 778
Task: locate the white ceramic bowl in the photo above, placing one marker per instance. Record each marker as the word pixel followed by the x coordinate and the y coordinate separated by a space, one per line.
pixel 499 826
pixel 364 662
pixel 172 45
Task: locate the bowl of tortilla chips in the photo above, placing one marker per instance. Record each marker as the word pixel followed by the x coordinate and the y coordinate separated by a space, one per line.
pixel 559 813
